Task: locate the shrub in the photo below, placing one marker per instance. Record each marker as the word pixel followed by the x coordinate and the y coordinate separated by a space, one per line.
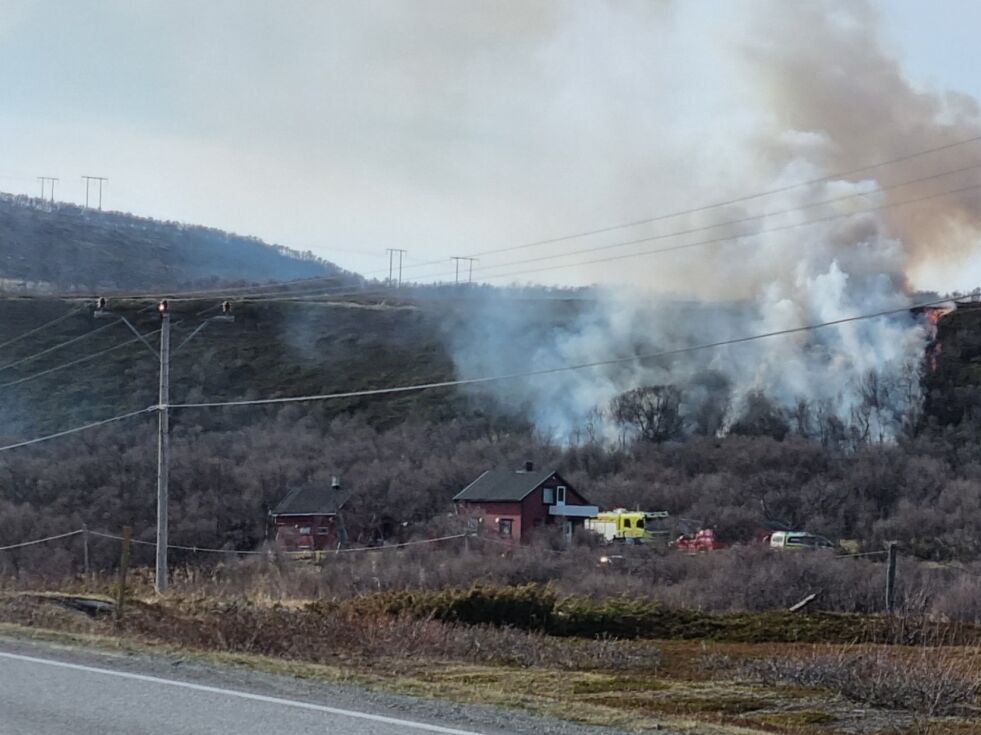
pixel 932 681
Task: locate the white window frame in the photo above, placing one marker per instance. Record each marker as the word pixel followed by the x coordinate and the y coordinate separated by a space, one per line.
pixel 560 495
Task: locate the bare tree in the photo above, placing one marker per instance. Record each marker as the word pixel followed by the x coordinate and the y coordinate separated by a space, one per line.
pixel 653 413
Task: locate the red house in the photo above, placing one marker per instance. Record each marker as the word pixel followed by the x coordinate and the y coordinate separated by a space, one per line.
pixel 308 518
pixel 511 504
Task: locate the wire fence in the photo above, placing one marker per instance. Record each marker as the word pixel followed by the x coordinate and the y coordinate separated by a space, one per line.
pixel 248 552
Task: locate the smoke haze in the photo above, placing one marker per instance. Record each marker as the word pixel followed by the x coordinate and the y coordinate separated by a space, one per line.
pixel 826 97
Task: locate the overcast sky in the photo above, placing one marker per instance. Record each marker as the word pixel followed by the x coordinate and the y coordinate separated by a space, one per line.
pixel 446 128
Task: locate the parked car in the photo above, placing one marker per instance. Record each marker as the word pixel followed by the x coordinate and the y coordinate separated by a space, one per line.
pixel 798 540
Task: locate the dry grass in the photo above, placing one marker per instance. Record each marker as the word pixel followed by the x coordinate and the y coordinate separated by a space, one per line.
pixel 635 685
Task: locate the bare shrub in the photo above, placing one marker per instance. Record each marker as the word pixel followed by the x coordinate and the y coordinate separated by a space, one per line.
pixel 930 681
pixel 321 634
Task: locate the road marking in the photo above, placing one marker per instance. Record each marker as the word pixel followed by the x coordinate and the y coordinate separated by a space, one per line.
pixel 243 695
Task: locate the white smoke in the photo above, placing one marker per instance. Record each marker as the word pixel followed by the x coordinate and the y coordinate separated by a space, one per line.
pixel 801 262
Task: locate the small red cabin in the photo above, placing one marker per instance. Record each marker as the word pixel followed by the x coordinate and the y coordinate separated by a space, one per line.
pixel 308 518
pixel 511 504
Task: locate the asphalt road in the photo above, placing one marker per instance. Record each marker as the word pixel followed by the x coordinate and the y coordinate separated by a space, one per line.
pixel 58 690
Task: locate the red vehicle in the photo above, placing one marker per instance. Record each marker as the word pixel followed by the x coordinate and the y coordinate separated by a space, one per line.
pixel 702 540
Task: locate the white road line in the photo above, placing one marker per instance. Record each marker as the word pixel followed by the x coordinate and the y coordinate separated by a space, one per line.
pixel 243 695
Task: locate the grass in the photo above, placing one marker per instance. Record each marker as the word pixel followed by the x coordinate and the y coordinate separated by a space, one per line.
pixel 622 684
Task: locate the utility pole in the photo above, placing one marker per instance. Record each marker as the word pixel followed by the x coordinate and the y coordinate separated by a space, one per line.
pixel 85 550
pixel 391 257
pixel 891 578
pixel 163 451
pixel 470 261
pixel 163 416
pixel 88 180
pixel 50 179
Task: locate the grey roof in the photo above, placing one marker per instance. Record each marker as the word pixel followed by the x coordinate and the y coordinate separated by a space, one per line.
pixel 503 485
pixel 312 500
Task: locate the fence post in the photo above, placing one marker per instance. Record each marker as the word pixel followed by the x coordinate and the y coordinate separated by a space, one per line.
pixel 123 567
pixel 891 578
pixel 85 550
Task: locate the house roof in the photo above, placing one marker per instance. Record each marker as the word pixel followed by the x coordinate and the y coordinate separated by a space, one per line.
pixel 503 485
pixel 312 500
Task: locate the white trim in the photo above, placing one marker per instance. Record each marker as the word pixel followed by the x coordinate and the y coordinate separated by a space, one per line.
pixel 574 511
pixel 243 695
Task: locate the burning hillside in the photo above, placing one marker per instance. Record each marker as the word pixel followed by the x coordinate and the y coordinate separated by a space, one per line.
pixel 819 246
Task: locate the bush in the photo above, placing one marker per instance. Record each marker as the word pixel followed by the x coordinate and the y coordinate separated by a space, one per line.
pixel 932 681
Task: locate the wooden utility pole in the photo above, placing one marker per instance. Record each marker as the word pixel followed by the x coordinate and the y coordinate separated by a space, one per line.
pixel 89 179
pixel 391 260
pixel 51 180
pixel 457 259
pixel 123 568
pixel 163 451
pixel 891 578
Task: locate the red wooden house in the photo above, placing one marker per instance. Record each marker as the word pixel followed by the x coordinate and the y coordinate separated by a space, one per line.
pixel 308 518
pixel 511 504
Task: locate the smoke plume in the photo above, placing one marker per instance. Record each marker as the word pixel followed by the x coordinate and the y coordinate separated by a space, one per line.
pixel 825 98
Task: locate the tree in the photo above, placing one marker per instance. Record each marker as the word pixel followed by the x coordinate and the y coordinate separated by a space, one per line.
pixel 653 413
pixel 761 417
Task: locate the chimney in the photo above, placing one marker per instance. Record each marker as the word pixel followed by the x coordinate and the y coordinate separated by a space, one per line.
pixel 529 466
pixel 335 484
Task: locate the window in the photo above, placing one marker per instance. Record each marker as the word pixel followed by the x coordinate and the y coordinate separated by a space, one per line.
pixel 323 530
pixel 504 527
pixel 560 495
pixel 305 530
pixel 627 523
pixel 548 495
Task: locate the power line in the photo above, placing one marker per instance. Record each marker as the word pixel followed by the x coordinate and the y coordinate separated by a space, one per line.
pixel 44 326
pixel 737 200
pixel 669 215
pixel 491 379
pixel 79 361
pixel 718 240
pixel 564 368
pixel 41 540
pixel 657 251
pixel 77 429
pixel 73 340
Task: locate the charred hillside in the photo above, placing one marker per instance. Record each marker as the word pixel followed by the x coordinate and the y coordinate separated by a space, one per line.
pixel 272 349
pixel 62 247
pixel 952 379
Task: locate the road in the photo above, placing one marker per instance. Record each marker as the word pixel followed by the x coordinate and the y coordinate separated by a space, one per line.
pixel 58 690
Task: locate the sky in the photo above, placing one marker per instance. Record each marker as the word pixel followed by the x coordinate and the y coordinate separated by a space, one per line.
pixel 446 128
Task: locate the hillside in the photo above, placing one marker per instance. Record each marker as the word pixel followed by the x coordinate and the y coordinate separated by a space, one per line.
pixel 271 349
pixel 62 247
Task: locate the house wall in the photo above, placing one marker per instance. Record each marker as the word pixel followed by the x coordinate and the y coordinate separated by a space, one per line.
pixel 529 514
pixel 290 538
pixel 534 511
pixel 490 513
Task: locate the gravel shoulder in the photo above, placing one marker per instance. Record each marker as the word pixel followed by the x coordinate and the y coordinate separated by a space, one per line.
pixel 190 668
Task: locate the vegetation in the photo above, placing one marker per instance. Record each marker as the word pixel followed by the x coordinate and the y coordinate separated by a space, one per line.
pixel 64 247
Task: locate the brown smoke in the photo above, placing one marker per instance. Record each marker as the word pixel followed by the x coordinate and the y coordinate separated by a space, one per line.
pixel 822 70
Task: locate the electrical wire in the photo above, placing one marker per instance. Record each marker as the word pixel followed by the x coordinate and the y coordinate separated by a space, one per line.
pixel 44 326
pixel 49 350
pixel 40 540
pixel 584 233
pixel 79 361
pixel 77 429
pixel 655 251
pixel 560 369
